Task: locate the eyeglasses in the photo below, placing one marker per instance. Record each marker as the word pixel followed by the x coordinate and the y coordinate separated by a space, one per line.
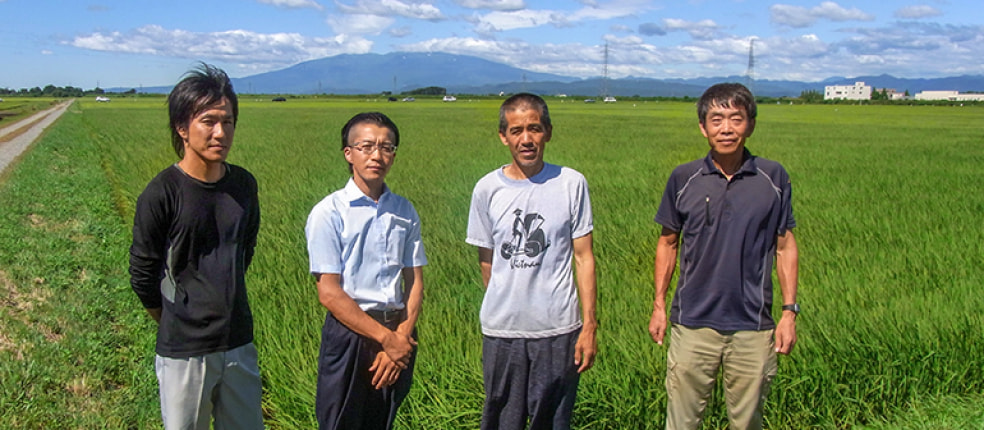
pixel 368 148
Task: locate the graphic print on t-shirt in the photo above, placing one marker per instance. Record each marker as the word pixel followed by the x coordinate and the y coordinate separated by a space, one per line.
pixel 528 239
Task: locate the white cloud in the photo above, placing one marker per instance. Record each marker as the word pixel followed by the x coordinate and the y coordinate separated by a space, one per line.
pixel 800 17
pixel 652 29
pixel 628 56
pixel 547 58
pixel 257 50
pixel 791 16
pixel 907 47
pixel 621 28
pixel 505 5
pixel 407 9
pixel 403 31
pixel 43 51
pixel 529 18
pixel 503 21
pixel 835 12
pixel 293 4
pixel 916 12
pixel 701 30
pixel 359 24
pixel 611 9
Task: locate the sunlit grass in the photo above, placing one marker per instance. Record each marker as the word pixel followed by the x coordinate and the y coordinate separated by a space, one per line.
pixel 888 227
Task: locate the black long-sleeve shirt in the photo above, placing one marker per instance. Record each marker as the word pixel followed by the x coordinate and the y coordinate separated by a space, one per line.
pixel 192 244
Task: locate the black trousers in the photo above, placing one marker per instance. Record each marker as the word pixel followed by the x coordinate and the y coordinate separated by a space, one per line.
pixel 346 399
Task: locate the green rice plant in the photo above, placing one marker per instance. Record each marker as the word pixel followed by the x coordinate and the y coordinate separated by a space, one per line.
pixel 888 228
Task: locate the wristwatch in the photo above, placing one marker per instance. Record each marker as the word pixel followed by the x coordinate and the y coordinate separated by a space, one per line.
pixel 795 307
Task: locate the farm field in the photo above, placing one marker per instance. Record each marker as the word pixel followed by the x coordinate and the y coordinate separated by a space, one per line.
pixel 13 109
pixel 889 229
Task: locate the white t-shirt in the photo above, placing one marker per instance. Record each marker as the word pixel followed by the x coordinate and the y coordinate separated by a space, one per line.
pixel 530 225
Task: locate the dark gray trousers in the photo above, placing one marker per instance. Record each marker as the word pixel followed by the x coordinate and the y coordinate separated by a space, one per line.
pixel 529 379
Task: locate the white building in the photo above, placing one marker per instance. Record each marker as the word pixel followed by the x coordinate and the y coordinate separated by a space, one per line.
pixel 858 91
pixel 953 96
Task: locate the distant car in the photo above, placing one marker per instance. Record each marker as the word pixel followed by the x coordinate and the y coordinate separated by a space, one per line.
pixel 609 99
pixel 392 99
pixel 409 99
pixel 589 100
pixel 279 99
pixel 102 99
pixel 449 98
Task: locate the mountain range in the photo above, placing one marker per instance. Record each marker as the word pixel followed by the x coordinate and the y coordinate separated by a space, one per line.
pixel 400 72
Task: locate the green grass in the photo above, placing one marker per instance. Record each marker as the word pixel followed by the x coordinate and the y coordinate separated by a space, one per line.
pixel 73 347
pixel 14 109
pixel 888 227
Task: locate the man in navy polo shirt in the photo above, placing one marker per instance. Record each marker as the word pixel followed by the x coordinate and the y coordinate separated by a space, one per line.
pixel 730 217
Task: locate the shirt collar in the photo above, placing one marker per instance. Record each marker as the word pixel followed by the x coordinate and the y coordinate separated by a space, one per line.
pixel 748 167
pixel 353 194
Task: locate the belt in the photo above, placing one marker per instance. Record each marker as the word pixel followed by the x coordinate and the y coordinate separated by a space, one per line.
pixel 388 316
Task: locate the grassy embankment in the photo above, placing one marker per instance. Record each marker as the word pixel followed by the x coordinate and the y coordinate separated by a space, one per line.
pixel 18 108
pixel 889 234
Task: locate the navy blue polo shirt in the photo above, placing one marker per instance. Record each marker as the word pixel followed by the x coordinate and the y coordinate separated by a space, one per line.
pixel 728 233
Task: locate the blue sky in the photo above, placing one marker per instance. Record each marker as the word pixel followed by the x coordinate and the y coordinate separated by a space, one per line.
pixel 134 43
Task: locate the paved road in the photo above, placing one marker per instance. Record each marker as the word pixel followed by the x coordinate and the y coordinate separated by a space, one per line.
pixel 9 151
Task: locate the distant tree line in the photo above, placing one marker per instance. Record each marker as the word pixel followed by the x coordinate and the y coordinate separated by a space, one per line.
pixel 53 91
pixel 428 91
pixel 811 96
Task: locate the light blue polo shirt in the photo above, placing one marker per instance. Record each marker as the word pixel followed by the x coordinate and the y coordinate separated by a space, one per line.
pixel 367 242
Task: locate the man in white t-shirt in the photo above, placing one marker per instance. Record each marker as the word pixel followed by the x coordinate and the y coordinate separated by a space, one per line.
pixel 528 220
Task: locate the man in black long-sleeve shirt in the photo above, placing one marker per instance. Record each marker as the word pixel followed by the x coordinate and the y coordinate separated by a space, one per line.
pixel 194 232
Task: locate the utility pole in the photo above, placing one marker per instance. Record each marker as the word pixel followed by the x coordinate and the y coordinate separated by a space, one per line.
pixel 750 73
pixel 604 77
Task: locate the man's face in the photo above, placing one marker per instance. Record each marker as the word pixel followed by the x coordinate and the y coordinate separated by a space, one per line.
pixel 526 137
pixel 208 135
pixel 367 152
pixel 726 129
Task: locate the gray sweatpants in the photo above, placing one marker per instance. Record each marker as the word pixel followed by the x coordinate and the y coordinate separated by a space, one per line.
pixel 224 385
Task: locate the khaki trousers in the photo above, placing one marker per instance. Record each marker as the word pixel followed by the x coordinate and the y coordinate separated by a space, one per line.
pixel 747 361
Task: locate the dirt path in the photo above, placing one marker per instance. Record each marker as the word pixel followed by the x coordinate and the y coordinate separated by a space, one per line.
pixel 17 137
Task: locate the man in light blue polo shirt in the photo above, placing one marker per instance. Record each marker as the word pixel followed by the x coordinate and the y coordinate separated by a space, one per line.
pixel 366 253
pixel 732 211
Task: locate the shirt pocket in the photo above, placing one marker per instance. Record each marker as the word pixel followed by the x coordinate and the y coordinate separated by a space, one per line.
pixel 397 230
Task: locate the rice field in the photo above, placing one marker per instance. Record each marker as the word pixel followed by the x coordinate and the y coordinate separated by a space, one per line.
pixel 889 229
